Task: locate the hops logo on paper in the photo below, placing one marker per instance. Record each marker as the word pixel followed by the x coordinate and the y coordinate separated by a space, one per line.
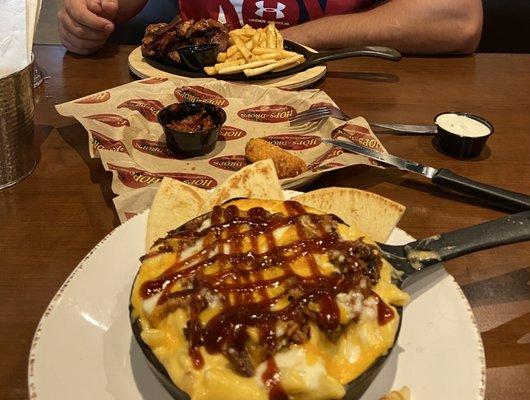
pixel 294 142
pixel 153 81
pixel 136 178
pixel 199 93
pixel 322 104
pixel 95 98
pixel 229 163
pixel 324 167
pixel 110 119
pixel 269 113
pixel 331 153
pixel 154 148
pixel 231 133
pixel 358 135
pixel 148 108
pixel 100 141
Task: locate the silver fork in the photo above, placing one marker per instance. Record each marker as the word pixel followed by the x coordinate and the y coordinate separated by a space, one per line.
pixel 319 113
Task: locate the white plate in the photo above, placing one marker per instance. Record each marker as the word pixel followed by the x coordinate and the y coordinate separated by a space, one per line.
pixel 300 80
pixel 83 347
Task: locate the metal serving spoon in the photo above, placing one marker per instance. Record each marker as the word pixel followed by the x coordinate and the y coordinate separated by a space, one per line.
pixel 407 260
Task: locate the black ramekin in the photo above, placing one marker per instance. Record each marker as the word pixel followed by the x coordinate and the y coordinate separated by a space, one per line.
pixel 191 144
pixel 463 147
pixel 198 57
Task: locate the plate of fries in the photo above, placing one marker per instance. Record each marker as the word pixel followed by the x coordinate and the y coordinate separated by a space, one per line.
pixel 255 52
pixel 264 54
pixel 252 54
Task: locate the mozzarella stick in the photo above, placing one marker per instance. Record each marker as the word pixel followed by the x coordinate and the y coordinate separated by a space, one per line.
pixel 240 68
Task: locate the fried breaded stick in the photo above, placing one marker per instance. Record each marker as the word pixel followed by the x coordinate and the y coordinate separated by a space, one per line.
pixel 287 165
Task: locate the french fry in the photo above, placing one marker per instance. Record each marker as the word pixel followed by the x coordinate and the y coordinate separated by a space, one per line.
pixel 255 52
pixel 234 57
pixel 255 40
pixel 242 48
pixel 289 54
pixel 210 70
pixel 269 56
pixel 231 50
pixel 279 39
pixel 240 68
pixel 272 66
pixel 262 38
pixel 262 50
pixel 226 64
pixel 271 36
pixel 245 31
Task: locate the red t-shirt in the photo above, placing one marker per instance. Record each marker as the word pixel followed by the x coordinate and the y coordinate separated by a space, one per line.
pixel 258 13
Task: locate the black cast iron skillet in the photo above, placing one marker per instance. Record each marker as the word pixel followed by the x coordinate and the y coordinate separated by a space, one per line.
pixel 311 60
pixel 407 260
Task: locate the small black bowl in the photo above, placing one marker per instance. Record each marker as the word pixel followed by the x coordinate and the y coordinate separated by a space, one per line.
pixel 462 147
pixel 191 143
pixel 199 56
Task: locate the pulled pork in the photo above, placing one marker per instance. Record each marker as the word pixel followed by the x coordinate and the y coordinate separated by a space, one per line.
pixel 162 40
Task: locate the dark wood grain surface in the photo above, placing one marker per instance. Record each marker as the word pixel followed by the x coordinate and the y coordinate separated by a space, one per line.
pixel 52 219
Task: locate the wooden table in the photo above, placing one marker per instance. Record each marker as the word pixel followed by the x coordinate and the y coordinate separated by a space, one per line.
pixel 52 219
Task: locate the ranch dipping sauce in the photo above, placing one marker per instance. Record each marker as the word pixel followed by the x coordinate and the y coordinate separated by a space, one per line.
pixel 462 125
pixel 462 135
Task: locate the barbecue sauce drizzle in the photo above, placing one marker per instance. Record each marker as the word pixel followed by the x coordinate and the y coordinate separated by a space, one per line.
pixel 240 276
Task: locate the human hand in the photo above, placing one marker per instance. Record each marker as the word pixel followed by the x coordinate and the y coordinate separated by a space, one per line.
pixel 85 25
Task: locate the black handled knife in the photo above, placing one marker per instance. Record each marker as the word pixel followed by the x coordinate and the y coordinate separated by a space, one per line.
pixel 443 177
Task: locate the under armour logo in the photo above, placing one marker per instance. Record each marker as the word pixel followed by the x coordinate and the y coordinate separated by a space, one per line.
pixel 262 9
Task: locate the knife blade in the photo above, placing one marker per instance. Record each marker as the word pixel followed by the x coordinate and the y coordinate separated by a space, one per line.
pixel 443 177
pixel 386 158
pixel 406 128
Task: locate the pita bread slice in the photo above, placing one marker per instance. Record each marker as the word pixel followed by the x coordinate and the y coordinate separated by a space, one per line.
pixel 174 204
pixel 257 180
pixel 374 215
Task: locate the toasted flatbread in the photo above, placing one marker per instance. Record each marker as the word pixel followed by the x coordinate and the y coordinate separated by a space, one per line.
pixel 258 180
pixel 374 215
pixel 174 204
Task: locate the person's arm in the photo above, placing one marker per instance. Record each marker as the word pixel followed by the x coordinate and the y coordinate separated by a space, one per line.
pixel 409 26
pixel 85 25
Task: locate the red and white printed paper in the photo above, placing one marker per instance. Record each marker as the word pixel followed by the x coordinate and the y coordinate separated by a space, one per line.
pixel 123 131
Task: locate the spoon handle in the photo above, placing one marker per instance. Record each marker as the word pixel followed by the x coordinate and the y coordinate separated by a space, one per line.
pixel 369 51
pixel 509 229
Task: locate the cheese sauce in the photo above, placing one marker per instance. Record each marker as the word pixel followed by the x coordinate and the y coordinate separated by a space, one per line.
pixel 261 282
